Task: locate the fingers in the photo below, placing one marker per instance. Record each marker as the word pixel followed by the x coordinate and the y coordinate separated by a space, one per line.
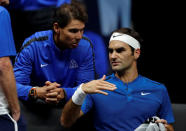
pixel 52 95
pixel 56 90
pixel 51 100
pixel 55 95
pixel 103 78
pixel 101 92
pixel 42 91
pixel 167 126
pixel 96 86
pixel 103 85
pixel 161 121
pixel 101 82
pixel 52 86
pixel 16 115
pixel 57 84
pixel 54 98
pixel 47 83
pixel 106 85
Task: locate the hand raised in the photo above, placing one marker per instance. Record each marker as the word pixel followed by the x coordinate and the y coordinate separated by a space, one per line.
pixel 96 86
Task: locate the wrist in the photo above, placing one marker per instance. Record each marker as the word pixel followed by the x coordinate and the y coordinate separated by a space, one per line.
pixel 79 96
pixel 33 93
pixel 83 87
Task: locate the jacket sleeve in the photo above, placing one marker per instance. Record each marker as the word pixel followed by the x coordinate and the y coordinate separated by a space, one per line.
pixel 85 72
pixel 165 111
pixel 22 71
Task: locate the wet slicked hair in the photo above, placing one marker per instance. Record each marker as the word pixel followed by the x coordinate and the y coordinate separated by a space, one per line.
pixel 67 12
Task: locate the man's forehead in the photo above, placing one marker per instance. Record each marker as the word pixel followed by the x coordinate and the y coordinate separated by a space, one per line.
pixel 118 44
pixel 75 24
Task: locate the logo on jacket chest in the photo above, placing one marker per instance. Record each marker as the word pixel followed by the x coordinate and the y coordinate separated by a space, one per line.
pixel 73 64
pixel 43 65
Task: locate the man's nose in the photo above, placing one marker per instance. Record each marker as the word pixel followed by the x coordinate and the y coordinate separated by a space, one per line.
pixel 113 55
pixel 79 35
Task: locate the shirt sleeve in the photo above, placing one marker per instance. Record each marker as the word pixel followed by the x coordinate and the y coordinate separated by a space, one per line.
pixel 85 72
pixel 87 104
pixel 22 71
pixel 69 92
pixel 6 35
pixel 166 108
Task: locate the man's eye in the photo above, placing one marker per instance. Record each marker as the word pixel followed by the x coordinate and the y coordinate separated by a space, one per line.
pixel 73 30
pixel 119 50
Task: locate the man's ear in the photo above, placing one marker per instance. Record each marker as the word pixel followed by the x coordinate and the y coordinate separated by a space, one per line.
pixel 137 53
pixel 56 27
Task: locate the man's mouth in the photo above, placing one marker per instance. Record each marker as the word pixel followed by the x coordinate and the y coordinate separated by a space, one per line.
pixel 74 45
pixel 114 63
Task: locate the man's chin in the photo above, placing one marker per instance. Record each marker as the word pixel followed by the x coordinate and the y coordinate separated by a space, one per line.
pixel 116 69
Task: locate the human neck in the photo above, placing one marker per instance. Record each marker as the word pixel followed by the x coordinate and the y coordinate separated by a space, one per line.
pixel 56 42
pixel 127 75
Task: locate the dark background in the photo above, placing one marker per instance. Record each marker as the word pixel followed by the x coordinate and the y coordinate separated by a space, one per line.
pixel 161 26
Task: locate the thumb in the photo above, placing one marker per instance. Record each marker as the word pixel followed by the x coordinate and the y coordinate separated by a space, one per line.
pixel 103 78
pixel 58 85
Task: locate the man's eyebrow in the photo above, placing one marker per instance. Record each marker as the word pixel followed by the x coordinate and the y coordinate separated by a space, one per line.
pixel 76 29
pixel 120 48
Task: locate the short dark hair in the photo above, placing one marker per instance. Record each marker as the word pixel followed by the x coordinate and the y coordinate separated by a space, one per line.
pixel 66 12
pixel 130 32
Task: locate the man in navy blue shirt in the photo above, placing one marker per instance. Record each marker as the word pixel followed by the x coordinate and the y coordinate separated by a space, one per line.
pixel 125 99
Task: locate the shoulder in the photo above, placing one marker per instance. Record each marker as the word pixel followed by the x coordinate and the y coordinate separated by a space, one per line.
pixel 84 48
pixel 111 78
pixel 35 44
pixel 152 83
pixel 148 80
pixel 96 38
pixel 85 42
pixel 3 10
pixel 4 17
pixel 36 38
